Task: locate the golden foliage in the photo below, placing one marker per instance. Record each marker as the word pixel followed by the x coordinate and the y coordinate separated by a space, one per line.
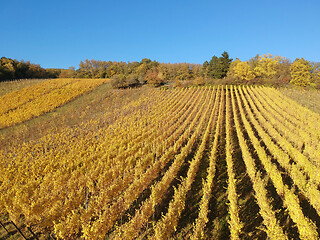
pixel 81 181
pixel 241 70
pixel 30 102
pixel 301 72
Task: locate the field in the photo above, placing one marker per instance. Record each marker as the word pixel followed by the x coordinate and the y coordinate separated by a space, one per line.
pixel 307 98
pixel 215 162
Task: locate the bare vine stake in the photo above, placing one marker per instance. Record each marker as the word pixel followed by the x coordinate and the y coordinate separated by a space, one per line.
pixel 19 230
pixel 87 192
pixel 4 227
pixel 32 233
pixel 51 236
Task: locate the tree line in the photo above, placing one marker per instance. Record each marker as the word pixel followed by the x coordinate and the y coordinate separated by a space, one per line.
pixel 275 70
pixel 262 69
pixel 127 74
pixel 13 69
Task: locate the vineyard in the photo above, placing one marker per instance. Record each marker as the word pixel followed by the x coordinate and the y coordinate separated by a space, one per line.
pixel 29 102
pixel 216 162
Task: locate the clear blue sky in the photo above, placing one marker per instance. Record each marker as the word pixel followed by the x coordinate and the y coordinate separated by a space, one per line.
pixel 61 33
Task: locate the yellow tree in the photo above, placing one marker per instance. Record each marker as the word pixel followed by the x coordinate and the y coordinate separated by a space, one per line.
pixel 266 66
pixel 301 72
pixel 241 70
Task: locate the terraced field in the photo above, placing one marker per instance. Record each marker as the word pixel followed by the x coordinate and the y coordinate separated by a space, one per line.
pixel 186 163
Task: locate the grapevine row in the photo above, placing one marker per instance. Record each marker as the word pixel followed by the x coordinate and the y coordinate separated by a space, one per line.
pixel 234 221
pixel 299 115
pixel 166 226
pixel 309 189
pixel 294 131
pixel 202 220
pixel 306 228
pixel 301 160
pixel 15 99
pixel 131 229
pixel 47 102
pixel 273 229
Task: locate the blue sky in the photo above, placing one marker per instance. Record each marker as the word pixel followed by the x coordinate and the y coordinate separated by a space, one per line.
pixel 62 33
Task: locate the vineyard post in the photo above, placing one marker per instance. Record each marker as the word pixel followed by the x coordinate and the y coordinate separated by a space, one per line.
pixel 29 228
pixel 51 236
pixel 4 227
pixel 19 230
pixel 314 109
pixel 86 192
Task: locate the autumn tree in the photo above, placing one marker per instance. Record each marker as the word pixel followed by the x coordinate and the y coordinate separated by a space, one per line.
pixel 163 72
pixel 301 72
pixel 283 75
pixel 14 69
pixel 118 81
pixel 152 77
pixel 266 66
pixel 196 70
pixel 241 71
pixel 254 62
pixel 184 72
pixel 7 68
pixel 67 73
pixel 132 80
pixel 198 81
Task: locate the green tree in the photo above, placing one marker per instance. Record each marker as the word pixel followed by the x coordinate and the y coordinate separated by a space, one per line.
pixel 225 62
pixel 217 67
pixel 213 68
